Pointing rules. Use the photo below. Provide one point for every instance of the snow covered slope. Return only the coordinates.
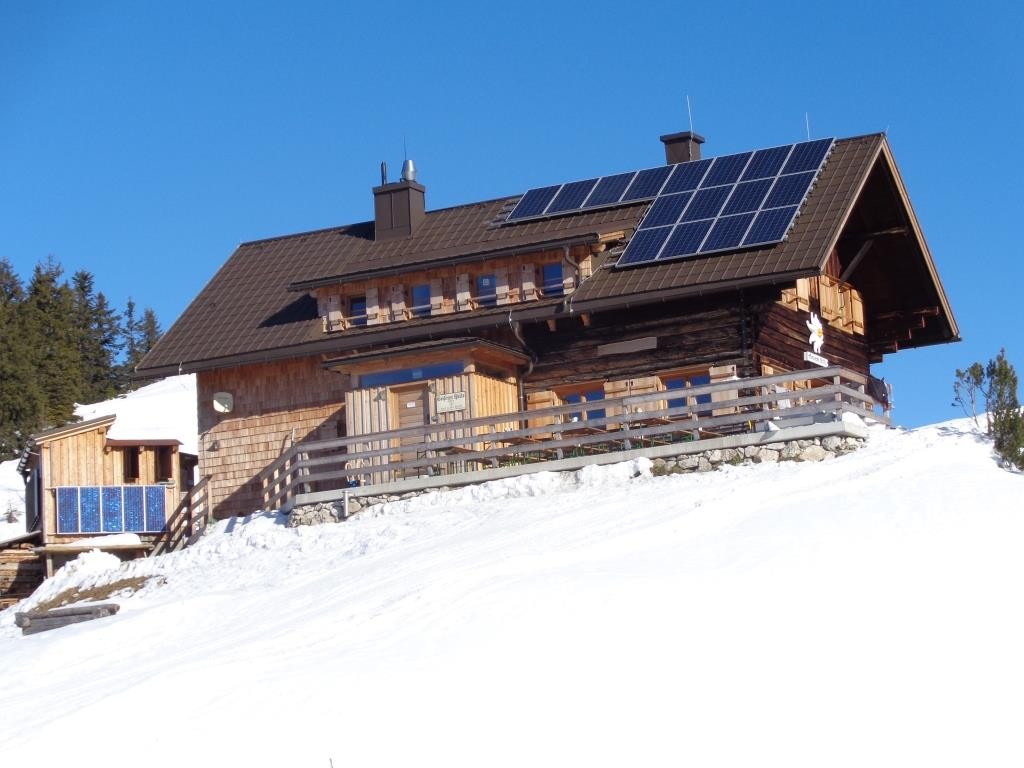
(12, 497)
(861, 611)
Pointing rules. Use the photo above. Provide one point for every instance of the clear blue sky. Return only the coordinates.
(144, 141)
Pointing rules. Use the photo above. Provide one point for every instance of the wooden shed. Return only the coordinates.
(81, 486)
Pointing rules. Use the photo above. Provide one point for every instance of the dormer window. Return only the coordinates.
(420, 300)
(357, 310)
(486, 291)
(552, 279)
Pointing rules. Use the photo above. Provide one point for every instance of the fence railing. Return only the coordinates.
(765, 403)
(188, 520)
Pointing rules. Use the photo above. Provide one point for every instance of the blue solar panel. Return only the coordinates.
(703, 206)
(789, 190)
(726, 170)
(741, 201)
(134, 517)
(728, 232)
(571, 196)
(67, 510)
(765, 163)
(685, 240)
(647, 183)
(747, 196)
(609, 190)
(110, 501)
(687, 176)
(533, 202)
(155, 496)
(666, 210)
(645, 244)
(770, 226)
(706, 203)
(807, 156)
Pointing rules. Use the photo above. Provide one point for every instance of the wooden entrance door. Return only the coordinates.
(412, 412)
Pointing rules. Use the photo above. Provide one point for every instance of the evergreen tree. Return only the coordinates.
(997, 384)
(149, 332)
(1006, 423)
(98, 339)
(49, 316)
(21, 400)
(138, 337)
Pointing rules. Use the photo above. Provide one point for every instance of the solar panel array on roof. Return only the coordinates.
(704, 206)
(727, 203)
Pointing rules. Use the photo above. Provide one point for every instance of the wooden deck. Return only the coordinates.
(750, 411)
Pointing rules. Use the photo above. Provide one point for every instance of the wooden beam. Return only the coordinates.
(861, 253)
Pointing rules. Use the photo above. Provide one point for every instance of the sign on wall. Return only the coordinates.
(816, 339)
(451, 402)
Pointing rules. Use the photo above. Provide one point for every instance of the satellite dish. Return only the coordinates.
(223, 402)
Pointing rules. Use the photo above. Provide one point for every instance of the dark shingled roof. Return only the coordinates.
(802, 253)
(254, 308)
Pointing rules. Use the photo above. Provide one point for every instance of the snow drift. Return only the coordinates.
(861, 611)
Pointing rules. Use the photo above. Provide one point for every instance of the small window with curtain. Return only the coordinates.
(420, 300)
(679, 383)
(551, 274)
(592, 394)
(486, 291)
(357, 310)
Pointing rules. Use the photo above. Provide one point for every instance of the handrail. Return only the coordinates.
(627, 419)
(189, 519)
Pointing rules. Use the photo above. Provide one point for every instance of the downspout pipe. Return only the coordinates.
(517, 331)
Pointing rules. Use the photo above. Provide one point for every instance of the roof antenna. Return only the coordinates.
(408, 167)
(807, 124)
(383, 173)
(689, 112)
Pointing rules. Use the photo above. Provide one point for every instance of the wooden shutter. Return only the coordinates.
(398, 302)
(527, 279)
(501, 285)
(436, 296)
(333, 312)
(719, 374)
(372, 307)
(462, 292)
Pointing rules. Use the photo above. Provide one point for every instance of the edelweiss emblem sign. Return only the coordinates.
(817, 337)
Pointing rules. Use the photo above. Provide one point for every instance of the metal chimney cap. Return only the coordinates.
(408, 171)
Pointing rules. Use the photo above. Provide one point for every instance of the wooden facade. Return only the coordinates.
(112, 486)
(460, 314)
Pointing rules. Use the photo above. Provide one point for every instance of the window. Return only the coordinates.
(584, 396)
(163, 463)
(405, 375)
(130, 459)
(682, 382)
(486, 291)
(552, 277)
(420, 300)
(357, 310)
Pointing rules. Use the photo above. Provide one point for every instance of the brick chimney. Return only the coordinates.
(682, 147)
(399, 207)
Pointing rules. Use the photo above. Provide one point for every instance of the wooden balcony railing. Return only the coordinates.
(635, 422)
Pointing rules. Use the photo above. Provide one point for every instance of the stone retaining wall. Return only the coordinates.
(818, 449)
